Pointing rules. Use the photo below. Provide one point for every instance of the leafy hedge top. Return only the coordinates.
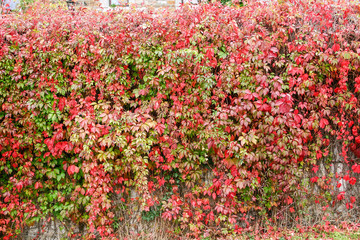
(95, 103)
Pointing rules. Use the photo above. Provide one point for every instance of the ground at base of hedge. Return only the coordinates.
(313, 233)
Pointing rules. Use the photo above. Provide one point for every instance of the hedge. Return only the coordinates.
(217, 117)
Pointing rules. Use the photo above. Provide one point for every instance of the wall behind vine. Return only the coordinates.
(222, 120)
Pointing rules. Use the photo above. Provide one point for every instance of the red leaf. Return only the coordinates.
(72, 169)
(340, 196)
(349, 205)
(352, 147)
(274, 49)
(38, 185)
(352, 181)
(284, 108)
(336, 47)
(289, 200)
(49, 143)
(227, 129)
(19, 186)
(315, 168)
(258, 179)
(62, 103)
(318, 154)
(161, 181)
(160, 128)
(356, 168)
(323, 122)
(314, 179)
(223, 116)
(265, 108)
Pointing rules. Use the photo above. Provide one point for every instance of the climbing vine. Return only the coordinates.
(217, 117)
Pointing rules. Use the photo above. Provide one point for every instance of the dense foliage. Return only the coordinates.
(212, 114)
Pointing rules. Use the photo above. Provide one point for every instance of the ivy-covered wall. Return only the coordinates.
(217, 120)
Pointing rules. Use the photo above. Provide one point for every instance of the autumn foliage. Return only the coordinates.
(217, 117)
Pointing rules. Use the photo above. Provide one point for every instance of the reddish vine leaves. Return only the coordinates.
(207, 113)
